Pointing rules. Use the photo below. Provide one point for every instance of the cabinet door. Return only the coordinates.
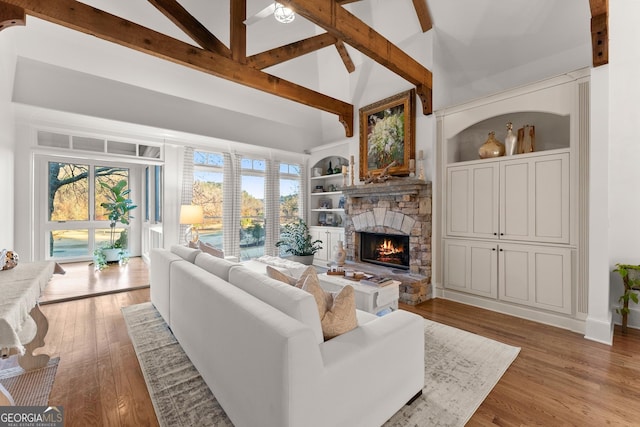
(471, 267)
(536, 276)
(320, 233)
(534, 194)
(333, 235)
(472, 201)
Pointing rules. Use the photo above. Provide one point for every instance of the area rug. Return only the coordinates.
(461, 368)
(30, 388)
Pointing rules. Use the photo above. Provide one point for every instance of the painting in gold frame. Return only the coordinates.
(387, 133)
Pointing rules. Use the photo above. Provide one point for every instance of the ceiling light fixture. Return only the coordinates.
(283, 14)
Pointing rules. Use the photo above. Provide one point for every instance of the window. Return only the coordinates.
(75, 219)
(289, 193)
(207, 192)
(252, 221)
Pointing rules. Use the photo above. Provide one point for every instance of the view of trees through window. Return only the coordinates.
(207, 191)
(71, 188)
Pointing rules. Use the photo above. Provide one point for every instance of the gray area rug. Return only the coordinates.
(461, 368)
(30, 388)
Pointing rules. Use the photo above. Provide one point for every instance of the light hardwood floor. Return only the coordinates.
(81, 280)
(558, 379)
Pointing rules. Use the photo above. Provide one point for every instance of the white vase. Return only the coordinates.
(340, 254)
(510, 141)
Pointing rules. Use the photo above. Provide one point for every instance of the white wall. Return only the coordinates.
(7, 136)
(624, 144)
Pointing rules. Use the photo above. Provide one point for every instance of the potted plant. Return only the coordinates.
(296, 240)
(630, 275)
(117, 209)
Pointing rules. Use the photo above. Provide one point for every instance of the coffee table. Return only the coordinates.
(369, 298)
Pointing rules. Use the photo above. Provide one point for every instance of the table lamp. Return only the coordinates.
(191, 215)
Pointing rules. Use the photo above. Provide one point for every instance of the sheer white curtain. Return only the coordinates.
(303, 196)
(272, 207)
(187, 185)
(232, 202)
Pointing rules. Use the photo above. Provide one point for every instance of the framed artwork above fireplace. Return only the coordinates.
(387, 134)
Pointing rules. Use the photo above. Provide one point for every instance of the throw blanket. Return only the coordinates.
(20, 289)
(292, 268)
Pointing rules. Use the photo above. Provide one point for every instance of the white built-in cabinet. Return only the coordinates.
(329, 237)
(510, 225)
(496, 205)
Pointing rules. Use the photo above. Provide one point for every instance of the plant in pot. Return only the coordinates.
(630, 275)
(117, 209)
(296, 240)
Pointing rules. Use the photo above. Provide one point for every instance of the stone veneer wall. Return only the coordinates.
(398, 206)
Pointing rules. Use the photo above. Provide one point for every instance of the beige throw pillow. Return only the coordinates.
(279, 275)
(208, 249)
(283, 277)
(337, 312)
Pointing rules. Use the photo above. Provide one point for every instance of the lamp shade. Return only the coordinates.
(191, 214)
(283, 14)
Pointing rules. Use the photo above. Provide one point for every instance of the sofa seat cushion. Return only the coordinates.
(185, 252)
(288, 299)
(214, 265)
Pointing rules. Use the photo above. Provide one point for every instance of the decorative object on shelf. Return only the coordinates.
(341, 202)
(330, 169)
(491, 148)
(317, 172)
(510, 141)
(420, 159)
(344, 175)
(322, 218)
(296, 240)
(352, 166)
(340, 254)
(191, 215)
(318, 189)
(329, 219)
(325, 204)
(526, 139)
(117, 209)
(337, 169)
(387, 134)
(630, 275)
(8, 259)
(382, 177)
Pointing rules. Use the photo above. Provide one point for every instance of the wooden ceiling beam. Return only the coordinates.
(293, 50)
(347, 27)
(238, 36)
(422, 10)
(191, 26)
(11, 15)
(599, 31)
(89, 20)
(344, 55)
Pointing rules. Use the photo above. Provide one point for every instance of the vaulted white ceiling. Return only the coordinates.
(476, 47)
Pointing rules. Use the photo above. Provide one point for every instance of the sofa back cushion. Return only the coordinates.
(185, 252)
(290, 300)
(214, 265)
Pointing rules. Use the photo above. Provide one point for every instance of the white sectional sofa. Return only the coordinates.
(258, 345)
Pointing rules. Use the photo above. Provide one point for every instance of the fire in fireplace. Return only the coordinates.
(385, 249)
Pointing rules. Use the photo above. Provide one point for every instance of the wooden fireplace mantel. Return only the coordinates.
(392, 187)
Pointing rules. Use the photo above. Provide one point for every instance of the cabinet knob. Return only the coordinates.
(502, 234)
(495, 234)
(501, 250)
(493, 249)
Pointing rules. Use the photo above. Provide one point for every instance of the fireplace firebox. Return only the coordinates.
(391, 250)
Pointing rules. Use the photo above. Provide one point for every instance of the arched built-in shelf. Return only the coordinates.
(552, 131)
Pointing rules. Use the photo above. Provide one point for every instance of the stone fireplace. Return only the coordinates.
(400, 207)
(391, 250)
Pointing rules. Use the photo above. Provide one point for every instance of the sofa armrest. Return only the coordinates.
(381, 362)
